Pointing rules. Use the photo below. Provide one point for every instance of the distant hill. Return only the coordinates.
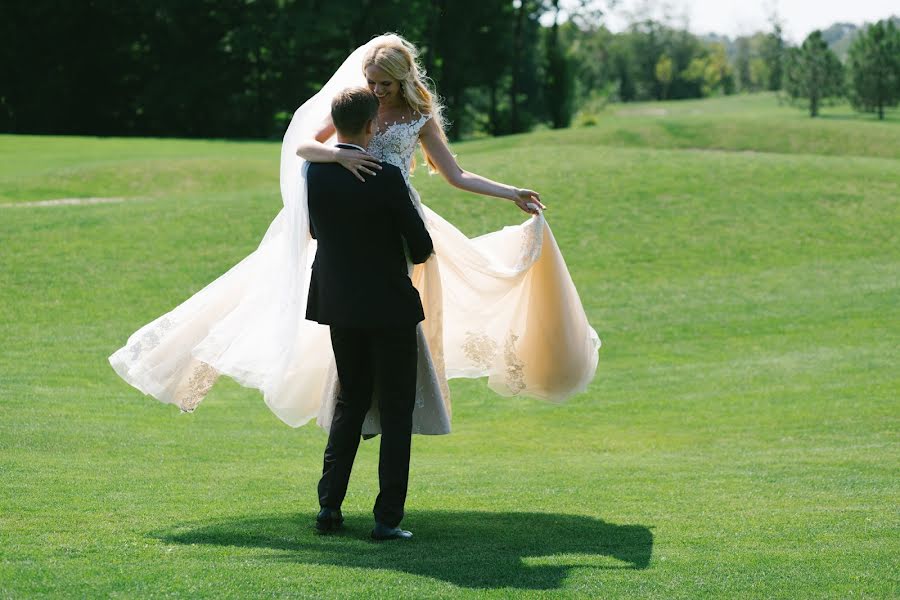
(839, 37)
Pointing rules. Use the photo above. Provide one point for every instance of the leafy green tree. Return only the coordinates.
(623, 68)
(711, 71)
(813, 72)
(874, 62)
(719, 77)
(648, 39)
(683, 47)
(664, 74)
(589, 47)
(759, 74)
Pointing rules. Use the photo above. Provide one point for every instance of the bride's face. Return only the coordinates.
(385, 87)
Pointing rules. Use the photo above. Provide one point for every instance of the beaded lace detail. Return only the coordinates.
(150, 338)
(515, 368)
(480, 349)
(396, 143)
(198, 383)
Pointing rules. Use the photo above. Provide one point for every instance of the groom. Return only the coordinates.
(361, 289)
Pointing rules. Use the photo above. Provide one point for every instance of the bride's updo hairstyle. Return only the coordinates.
(399, 59)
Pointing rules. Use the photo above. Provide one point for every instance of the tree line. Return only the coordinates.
(652, 60)
(238, 68)
(870, 79)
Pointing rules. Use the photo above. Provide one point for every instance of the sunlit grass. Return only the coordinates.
(739, 439)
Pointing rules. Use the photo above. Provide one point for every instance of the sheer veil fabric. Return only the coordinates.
(501, 306)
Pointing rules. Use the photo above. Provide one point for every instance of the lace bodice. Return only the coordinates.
(396, 143)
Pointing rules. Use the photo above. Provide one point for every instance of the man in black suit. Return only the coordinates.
(360, 288)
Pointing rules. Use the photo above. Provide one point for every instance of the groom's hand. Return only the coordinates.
(357, 162)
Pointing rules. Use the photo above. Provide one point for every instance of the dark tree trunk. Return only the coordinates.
(434, 20)
(557, 95)
(495, 127)
(518, 26)
(257, 84)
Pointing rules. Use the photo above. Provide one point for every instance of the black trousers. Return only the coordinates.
(379, 364)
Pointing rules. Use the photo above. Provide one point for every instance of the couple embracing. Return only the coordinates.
(501, 306)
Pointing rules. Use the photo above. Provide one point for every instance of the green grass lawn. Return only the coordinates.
(739, 260)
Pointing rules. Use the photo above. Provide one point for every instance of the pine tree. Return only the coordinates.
(772, 52)
(874, 61)
(813, 72)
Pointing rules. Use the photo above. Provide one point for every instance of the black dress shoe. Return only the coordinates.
(329, 519)
(383, 532)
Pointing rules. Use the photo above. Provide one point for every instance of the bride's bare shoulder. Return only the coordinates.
(430, 127)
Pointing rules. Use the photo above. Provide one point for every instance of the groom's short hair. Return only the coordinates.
(352, 108)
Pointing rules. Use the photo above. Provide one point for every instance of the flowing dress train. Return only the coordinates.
(501, 306)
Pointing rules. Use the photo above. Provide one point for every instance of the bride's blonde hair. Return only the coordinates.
(399, 59)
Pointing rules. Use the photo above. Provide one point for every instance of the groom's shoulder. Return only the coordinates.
(391, 168)
(391, 174)
(323, 176)
(330, 169)
(319, 169)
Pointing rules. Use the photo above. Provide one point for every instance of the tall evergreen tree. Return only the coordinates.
(813, 72)
(874, 62)
(773, 55)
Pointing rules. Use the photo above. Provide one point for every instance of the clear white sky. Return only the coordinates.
(737, 17)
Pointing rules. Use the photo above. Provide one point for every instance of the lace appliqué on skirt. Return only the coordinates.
(150, 339)
(200, 380)
(480, 349)
(515, 368)
(483, 350)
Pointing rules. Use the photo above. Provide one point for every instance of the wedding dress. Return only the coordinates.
(501, 306)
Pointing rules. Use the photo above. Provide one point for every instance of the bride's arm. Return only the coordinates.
(446, 164)
(356, 162)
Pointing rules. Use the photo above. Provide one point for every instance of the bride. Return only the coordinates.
(501, 305)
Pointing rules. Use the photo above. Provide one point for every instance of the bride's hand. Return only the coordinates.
(528, 200)
(358, 162)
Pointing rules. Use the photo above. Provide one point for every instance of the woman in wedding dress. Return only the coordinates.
(501, 306)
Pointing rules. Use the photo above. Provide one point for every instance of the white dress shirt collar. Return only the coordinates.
(351, 145)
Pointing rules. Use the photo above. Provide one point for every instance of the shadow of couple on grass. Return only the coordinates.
(468, 549)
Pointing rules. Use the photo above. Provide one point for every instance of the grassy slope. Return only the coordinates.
(740, 437)
(744, 123)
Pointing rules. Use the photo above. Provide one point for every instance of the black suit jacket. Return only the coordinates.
(359, 277)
